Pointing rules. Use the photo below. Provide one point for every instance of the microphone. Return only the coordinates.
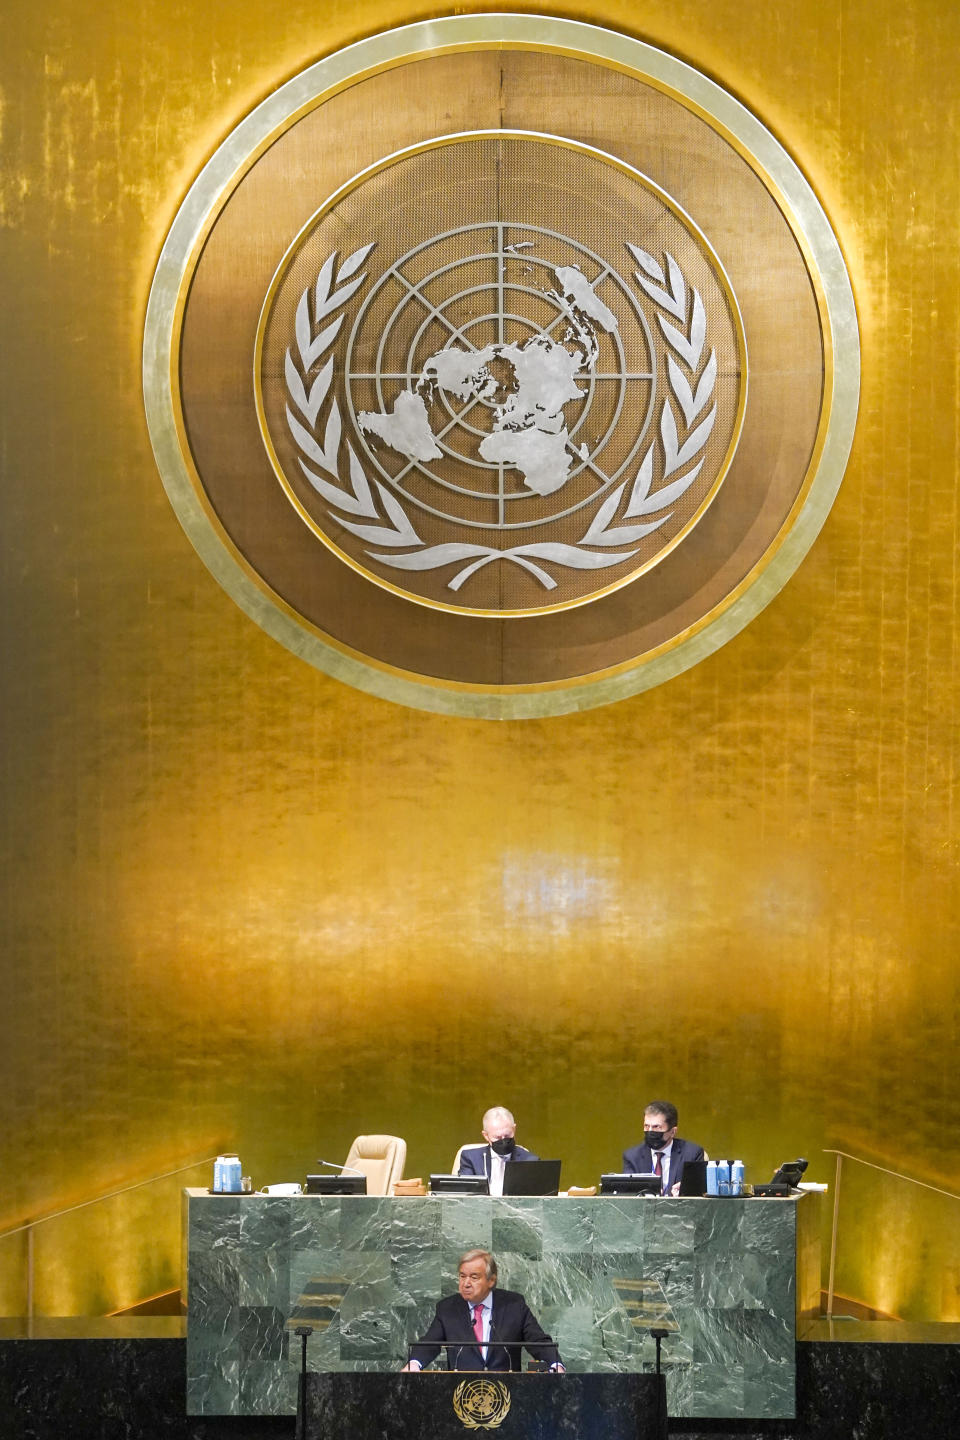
(454, 1349)
(512, 1348)
(344, 1169)
(445, 1345)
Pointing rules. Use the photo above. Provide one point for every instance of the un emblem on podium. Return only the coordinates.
(481, 1404)
(501, 365)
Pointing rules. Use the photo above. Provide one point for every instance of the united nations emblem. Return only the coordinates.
(501, 417)
(481, 1404)
(501, 365)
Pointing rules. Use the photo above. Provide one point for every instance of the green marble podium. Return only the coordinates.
(726, 1278)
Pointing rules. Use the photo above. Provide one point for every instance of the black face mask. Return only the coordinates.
(655, 1139)
(504, 1146)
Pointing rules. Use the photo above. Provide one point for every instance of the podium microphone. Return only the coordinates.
(344, 1169)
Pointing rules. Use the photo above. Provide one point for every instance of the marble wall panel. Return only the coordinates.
(365, 1273)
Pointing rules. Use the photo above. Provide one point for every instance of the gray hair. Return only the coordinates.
(496, 1112)
(483, 1255)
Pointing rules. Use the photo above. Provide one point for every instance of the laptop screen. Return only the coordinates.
(531, 1177)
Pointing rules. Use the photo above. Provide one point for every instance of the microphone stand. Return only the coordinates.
(659, 1336)
(300, 1433)
(344, 1169)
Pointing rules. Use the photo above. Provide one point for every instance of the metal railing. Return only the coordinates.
(29, 1228)
(883, 1170)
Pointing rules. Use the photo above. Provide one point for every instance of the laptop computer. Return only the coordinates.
(459, 1185)
(693, 1181)
(532, 1177)
(618, 1182)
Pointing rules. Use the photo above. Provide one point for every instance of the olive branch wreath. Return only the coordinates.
(476, 1408)
(387, 523)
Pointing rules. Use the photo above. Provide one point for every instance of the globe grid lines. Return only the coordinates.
(410, 376)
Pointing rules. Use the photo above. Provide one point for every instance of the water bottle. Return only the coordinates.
(736, 1178)
(227, 1175)
(711, 1177)
(723, 1177)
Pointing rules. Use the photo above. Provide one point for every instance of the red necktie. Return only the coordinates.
(657, 1167)
(478, 1323)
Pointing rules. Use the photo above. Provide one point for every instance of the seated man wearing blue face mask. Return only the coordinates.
(499, 1129)
(661, 1153)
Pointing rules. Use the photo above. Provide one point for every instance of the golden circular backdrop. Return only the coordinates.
(502, 366)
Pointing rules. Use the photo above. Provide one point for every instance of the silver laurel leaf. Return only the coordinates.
(668, 435)
(691, 404)
(436, 555)
(647, 262)
(568, 555)
(678, 287)
(696, 439)
(308, 405)
(698, 329)
(295, 387)
(670, 494)
(661, 297)
(641, 487)
(680, 386)
(630, 534)
(398, 515)
(303, 328)
(361, 486)
(707, 381)
(353, 262)
(320, 344)
(331, 438)
(376, 534)
(324, 281)
(690, 349)
(602, 518)
(338, 298)
(307, 443)
(679, 341)
(332, 494)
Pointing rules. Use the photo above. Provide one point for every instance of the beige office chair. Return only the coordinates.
(381, 1158)
(455, 1167)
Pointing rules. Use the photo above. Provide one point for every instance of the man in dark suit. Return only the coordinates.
(483, 1328)
(661, 1153)
(499, 1129)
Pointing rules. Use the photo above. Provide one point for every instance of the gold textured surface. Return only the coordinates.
(243, 905)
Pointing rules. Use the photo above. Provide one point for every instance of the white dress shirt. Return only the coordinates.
(498, 1163)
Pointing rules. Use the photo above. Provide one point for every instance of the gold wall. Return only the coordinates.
(243, 905)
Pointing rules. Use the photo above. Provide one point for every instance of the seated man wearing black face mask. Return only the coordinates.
(499, 1130)
(661, 1153)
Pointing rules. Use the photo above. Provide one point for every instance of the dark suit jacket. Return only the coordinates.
(476, 1159)
(639, 1160)
(511, 1321)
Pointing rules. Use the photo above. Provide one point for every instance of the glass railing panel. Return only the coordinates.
(14, 1273)
(895, 1244)
(100, 1256)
